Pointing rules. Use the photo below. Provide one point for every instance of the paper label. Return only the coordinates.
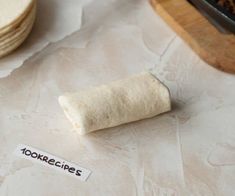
(52, 161)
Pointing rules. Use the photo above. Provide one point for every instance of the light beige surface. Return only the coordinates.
(131, 99)
(186, 152)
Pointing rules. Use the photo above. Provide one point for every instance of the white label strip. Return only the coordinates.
(52, 161)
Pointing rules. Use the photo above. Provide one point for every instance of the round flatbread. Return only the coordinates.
(14, 42)
(12, 45)
(19, 31)
(22, 25)
(15, 45)
(13, 12)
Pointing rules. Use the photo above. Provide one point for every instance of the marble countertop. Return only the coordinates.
(189, 151)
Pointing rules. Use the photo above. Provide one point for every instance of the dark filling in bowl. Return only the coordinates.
(229, 5)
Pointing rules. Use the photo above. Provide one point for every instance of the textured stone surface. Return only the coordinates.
(189, 151)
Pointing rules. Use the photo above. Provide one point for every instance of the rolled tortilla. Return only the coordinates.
(138, 97)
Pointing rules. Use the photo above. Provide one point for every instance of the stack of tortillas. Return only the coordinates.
(16, 21)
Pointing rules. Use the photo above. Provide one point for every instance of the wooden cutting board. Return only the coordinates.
(216, 48)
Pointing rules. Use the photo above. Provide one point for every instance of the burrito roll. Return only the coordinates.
(137, 97)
